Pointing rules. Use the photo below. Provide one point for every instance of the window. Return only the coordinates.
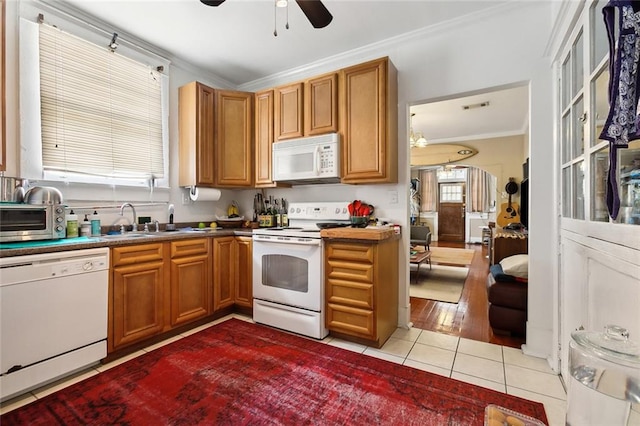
(451, 192)
(101, 115)
(584, 79)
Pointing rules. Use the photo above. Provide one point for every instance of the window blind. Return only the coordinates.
(101, 112)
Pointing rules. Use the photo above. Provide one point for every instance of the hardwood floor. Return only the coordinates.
(469, 317)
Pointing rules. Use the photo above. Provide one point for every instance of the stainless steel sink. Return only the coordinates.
(127, 235)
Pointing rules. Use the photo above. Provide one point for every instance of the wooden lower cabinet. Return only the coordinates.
(190, 280)
(232, 272)
(361, 289)
(137, 294)
(155, 288)
(244, 283)
(223, 272)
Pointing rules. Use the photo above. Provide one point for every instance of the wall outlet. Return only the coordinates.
(392, 196)
(185, 197)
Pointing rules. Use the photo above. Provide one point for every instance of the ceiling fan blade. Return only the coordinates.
(212, 2)
(316, 12)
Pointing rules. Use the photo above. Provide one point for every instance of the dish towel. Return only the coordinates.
(622, 123)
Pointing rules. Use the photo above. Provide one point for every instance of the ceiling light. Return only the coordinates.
(417, 139)
(281, 3)
(465, 152)
(473, 106)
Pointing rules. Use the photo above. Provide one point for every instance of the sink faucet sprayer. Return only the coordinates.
(134, 226)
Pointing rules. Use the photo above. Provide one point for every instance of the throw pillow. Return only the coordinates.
(517, 265)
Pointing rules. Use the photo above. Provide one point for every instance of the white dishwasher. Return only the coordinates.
(53, 316)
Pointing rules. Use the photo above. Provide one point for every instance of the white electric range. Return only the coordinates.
(288, 269)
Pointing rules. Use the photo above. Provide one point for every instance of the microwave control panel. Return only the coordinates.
(327, 159)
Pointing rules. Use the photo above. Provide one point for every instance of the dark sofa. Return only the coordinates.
(507, 303)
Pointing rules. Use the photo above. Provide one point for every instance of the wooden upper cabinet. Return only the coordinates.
(263, 138)
(369, 122)
(233, 139)
(288, 117)
(321, 105)
(196, 135)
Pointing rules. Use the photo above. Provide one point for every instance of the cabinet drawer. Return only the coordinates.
(349, 293)
(348, 320)
(353, 271)
(129, 255)
(350, 251)
(189, 247)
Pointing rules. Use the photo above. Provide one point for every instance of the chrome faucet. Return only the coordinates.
(134, 226)
(157, 224)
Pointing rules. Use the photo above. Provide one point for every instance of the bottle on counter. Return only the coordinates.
(85, 227)
(95, 224)
(72, 225)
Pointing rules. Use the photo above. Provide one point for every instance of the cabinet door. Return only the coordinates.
(138, 304)
(288, 111)
(368, 122)
(190, 282)
(264, 138)
(234, 139)
(196, 135)
(244, 283)
(321, 105)
(224, 270)
(189, 289)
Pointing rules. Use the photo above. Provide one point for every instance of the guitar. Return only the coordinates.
(509, 212)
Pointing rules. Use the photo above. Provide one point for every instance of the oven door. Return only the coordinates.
(288, 272)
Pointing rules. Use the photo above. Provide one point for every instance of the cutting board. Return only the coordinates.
(374, 233)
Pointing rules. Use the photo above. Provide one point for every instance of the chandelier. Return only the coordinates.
(417, 139)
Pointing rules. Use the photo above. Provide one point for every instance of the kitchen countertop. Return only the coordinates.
(49, 246)
(370, 234)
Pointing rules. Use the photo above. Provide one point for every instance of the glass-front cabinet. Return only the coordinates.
(584, 107)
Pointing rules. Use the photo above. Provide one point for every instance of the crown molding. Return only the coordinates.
(374, 50)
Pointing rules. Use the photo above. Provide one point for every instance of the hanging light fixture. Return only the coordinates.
(417, 139)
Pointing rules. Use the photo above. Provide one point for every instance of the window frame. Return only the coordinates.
(31, 164)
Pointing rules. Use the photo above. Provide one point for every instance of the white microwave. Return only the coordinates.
(314, 159)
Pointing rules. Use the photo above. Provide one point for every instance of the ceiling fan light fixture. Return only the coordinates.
(422, 141)
(417, 139)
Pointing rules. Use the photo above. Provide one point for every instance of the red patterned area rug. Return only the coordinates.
(242, 373)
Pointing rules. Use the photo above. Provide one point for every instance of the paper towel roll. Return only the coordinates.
(204, 194)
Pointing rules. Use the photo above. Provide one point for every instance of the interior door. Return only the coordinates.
(451, 212)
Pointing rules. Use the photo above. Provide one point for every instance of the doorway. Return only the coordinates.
(493, 123)
(451, 212)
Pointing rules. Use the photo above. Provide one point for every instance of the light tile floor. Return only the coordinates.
(492, 366)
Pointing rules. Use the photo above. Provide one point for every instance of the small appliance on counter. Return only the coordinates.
(39, 216)
(12, 189)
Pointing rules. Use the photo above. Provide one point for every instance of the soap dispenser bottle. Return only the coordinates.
(72, 225)
(95, 224)
(85, 228)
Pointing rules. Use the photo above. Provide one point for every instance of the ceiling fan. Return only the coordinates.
(315, 11)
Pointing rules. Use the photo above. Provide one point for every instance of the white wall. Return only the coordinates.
(490, 49)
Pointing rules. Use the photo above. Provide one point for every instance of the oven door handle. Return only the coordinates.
(301, 242)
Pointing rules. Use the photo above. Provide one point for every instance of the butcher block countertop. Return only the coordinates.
(373, 233)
